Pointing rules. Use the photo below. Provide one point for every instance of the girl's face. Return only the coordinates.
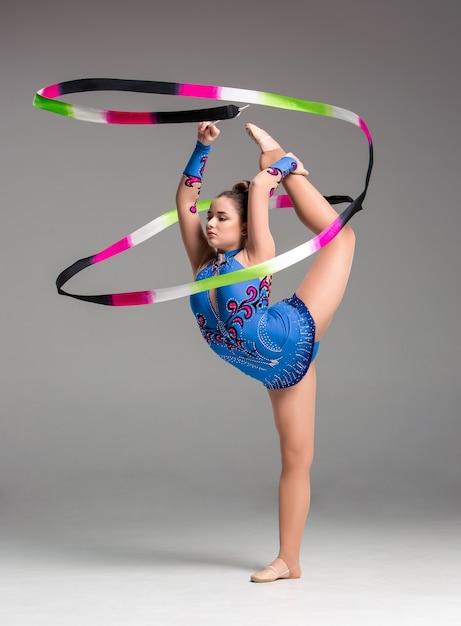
(224, 229)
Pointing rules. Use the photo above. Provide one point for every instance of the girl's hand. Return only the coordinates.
(301, 170)
(207, 133)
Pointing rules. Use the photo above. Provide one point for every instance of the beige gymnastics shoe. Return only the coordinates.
(265, 142)
(276, 570)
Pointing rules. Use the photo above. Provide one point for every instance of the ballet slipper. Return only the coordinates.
(276, 570)
(265, 142)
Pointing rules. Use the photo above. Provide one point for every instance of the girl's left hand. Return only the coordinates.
(301, 170)
(207, 133)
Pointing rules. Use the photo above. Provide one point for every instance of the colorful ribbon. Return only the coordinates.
(45, 99)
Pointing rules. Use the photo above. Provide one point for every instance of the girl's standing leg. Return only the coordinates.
(294, 413)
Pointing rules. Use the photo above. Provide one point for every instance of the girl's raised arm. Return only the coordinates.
(192, 234)
(260, 243)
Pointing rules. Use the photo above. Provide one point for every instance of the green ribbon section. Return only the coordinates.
(55, 106)
(295, 104)
(247, 273)
(171, 217)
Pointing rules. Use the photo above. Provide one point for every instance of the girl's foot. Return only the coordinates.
(262, 138)
(271, 150)
(276, 570)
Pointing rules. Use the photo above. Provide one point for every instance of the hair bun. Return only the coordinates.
(239, 195)
(242, 186)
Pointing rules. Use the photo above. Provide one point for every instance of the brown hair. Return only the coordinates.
(239, 194)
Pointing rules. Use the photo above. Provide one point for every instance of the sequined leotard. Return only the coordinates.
(274, 344)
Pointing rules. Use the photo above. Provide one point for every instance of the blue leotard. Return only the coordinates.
(274, 344)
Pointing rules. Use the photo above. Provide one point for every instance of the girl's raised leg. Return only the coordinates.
(323, 286)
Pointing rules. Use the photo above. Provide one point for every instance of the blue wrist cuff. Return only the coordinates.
(285, 165)
(197, 161)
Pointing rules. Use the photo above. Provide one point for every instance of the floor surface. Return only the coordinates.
(88, 563)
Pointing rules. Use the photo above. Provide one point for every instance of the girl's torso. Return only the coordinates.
(270, 343)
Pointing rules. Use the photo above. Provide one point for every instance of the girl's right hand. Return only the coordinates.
(207, 133)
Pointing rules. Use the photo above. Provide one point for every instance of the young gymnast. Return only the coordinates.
(274, 344)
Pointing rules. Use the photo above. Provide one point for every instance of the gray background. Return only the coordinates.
(119, 423)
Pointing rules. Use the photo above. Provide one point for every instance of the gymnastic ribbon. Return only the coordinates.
(45, 99)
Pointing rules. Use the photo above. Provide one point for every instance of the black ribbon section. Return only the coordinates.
(118, 84)
(338, 199)
(69, 272)
(226, 112)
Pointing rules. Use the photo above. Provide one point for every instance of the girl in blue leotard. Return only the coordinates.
(274, 344)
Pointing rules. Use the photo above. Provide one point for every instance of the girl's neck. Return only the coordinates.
(227, 253)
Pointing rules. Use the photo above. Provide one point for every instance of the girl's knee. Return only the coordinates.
(348, 236)
(297, 458)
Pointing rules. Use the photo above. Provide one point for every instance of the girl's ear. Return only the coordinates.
(244, 230)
